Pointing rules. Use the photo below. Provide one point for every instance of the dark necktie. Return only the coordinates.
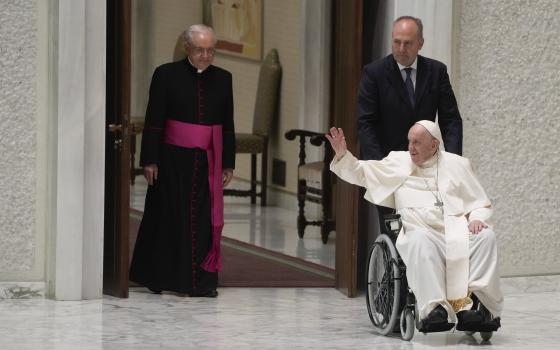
(409, 85)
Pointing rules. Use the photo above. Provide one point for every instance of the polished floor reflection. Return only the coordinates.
(260, 318)
(270, 227)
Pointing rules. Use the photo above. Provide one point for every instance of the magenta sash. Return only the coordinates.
(209, 138)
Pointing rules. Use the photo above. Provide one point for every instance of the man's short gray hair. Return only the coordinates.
(418, 22)
(197, 28)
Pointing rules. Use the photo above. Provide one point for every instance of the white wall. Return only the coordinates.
(22, 238)
(52, 110)
(507, 85)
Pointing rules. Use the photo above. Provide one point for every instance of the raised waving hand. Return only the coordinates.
(338, 142)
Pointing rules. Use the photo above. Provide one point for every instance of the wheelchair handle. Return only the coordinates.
(393, 223)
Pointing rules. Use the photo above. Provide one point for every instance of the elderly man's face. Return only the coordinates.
(421, 144)
(406, 42)
(201, 50)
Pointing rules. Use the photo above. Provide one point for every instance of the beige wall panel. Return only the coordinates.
(507, 83)
(22, 54)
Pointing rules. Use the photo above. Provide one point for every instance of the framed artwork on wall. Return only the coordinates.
(237, 24)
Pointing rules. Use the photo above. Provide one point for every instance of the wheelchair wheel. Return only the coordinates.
(407, 324)
(486, 335)
(383, 285)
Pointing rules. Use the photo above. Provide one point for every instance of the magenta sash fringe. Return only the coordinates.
(209, 138)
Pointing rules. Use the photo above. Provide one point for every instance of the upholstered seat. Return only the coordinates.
(254, 143)
(312, 173)
(315, 183)
(249, 143)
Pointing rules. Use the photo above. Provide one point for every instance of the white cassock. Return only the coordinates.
(444, 261)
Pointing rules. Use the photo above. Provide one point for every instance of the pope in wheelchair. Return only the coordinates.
(446, 244)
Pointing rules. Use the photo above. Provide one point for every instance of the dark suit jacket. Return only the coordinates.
(385, 113)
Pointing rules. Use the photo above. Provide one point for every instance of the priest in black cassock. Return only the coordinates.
(188, 156)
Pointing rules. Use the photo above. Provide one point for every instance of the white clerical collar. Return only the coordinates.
(413, 65)
(430, 162)
(197, 69)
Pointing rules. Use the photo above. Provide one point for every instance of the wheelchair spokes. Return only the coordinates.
(382, 281)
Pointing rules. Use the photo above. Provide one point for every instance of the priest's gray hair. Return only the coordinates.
(434, 130)
(197, 28)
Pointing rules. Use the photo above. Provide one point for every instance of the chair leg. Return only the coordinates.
(264, 173)
(253, 178)
(132, 158)
(325, 224)
(301, 221)
(325, 232)
(326, 207)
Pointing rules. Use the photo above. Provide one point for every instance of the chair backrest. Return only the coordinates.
(179, 50)
(268, 91)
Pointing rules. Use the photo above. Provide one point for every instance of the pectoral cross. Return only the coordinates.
(439, 204)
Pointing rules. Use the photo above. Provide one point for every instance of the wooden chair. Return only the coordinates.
(315, 183)
(256, 142)
(136, 127)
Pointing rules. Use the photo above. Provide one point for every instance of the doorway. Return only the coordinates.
(119, 77)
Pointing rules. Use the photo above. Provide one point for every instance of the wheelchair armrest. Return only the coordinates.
(391, 217)
(393, 223)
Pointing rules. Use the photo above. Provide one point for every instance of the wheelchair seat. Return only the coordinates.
(390, 302)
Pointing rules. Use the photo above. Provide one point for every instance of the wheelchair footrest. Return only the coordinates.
(486, 326)
(435, 327)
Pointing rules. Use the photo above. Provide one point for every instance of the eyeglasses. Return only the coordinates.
(199, 51)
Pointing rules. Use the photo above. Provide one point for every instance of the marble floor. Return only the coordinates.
(261, 318)
(270, 227)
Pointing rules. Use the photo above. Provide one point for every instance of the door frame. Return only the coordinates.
(117, 163)
(347, 67)
(345, 77)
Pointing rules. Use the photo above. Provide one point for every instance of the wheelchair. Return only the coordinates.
(390, 302)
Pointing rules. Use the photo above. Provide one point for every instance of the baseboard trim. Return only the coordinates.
(22, 290)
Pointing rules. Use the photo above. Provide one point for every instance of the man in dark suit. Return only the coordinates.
(395, 92)
(401, 89)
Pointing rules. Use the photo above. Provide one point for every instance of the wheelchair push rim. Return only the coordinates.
(383, 285)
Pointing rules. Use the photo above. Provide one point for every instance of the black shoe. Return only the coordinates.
(208, 294)
(490, 325)
(469, 320)
(436, 321)
(489, 322)
(155, 291)
(437, 315)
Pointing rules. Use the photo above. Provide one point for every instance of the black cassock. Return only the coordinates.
(176, 234)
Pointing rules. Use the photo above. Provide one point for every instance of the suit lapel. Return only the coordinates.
(423, 76)
(395, 79)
